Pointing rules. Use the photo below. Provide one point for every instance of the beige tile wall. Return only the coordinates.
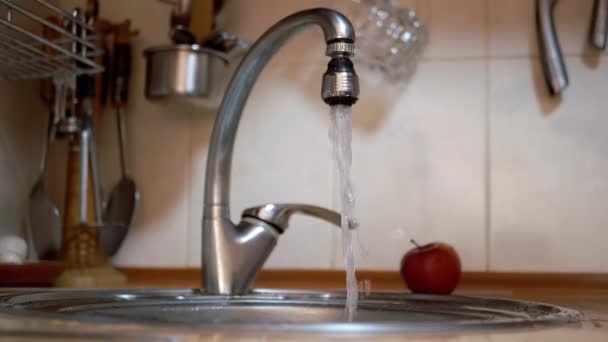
(471, 151)
(548, 156)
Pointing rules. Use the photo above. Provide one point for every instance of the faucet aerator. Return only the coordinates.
(340, 84)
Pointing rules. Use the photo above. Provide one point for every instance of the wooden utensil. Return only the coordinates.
(86, 264)
(201, 19)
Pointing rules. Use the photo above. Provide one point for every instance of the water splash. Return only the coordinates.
(340, 134)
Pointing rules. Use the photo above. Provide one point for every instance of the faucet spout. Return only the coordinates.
(222, 249)
(336, 29)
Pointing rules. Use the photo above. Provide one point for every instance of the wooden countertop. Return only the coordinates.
(381, 280)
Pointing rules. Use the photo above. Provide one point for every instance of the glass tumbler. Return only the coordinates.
(390, 38)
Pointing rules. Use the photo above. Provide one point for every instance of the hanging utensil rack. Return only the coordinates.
(25, 53)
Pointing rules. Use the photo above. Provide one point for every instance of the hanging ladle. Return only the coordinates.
(119, 211)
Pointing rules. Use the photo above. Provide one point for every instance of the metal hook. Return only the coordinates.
(552, 59)
(599, 25)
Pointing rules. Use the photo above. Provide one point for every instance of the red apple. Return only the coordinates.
(431, 269)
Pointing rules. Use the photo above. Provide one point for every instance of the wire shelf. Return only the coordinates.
(40, 40)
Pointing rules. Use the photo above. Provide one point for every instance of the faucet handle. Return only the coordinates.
(599, 24)
(278, 214)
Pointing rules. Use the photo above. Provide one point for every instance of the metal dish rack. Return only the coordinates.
(33, 45)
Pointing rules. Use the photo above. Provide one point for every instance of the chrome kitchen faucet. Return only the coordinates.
(233, 253)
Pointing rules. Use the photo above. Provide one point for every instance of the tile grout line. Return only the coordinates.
(487, 144)
(496, 58)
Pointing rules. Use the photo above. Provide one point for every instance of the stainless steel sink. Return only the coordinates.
(287, 311)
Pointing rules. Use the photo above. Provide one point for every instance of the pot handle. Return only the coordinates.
(227, 47)
(238, 50)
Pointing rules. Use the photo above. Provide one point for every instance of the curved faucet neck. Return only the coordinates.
(336, 28)
(233, 255)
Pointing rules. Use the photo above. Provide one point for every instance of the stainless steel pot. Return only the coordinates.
(187, 70)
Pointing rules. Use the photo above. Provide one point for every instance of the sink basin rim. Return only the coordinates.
(22, 302)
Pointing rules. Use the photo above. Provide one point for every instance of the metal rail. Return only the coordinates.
(27, 50)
